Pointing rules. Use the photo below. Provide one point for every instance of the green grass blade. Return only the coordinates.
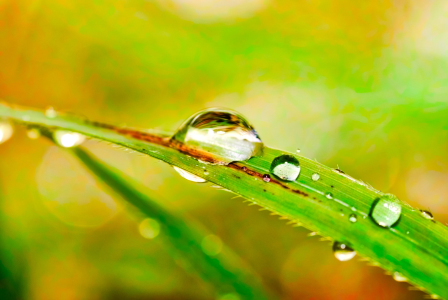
(416, 247)
(224, 271)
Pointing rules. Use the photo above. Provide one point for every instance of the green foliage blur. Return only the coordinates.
(359, 85)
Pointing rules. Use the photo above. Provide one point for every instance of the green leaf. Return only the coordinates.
(415, 247)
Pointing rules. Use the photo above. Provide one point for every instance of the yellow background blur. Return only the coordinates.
(362, 85)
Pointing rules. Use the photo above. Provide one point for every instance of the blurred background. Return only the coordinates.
(362, 85)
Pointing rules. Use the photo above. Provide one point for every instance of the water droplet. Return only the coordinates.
(188, 175)
(286, 167)
(68, 139)
(50, 112)
(298, 150)
(315, 177)
(427, 214)
(224, 133)
(211, 245)
(398, 277)
(353, 218)
(33, 133)
(149, 228)
(329, 195)
(244, 169)
(206, 172)
(6, 131)
(386, 210)
(266, 178)
(343, 252)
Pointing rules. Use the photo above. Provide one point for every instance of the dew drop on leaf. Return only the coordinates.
(50, 112)
(266, 178)
(315, 177)
(286, 167)
(223, 133)
(343, 252)
(68, 139)
(206, 172)
(329, 195)
(427, 214)
(386, 210)
(188, 175)
(6, 131)
(398, 277)
(353, 218)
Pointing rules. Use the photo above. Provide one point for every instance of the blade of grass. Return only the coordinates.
(416, 247)
(224, 271)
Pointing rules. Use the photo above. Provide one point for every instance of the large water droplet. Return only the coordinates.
(427, 214)
(68, 139)
(286, 167)
(224, 133)
(386, 210)
(188, 175)
(343, 252)
(6, 131)
(211, 245)
(149, 228)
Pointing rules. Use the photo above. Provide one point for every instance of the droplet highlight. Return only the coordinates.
(427, 214)
(149, 228)
(386, 210)
(315, 177)
(211, 245)
(225, 134)
(189, 176)
(6, 131)
(68, 139)
(286, 167)
(343, 252)
(398, 277)
(353, 218)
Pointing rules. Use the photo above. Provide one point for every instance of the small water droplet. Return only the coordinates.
(149, 228)
(353, 218)
(68, 139)
(224, 133)
(298, 150)
(266, 178)
(206, 172)
(211, 245)
(244, 169)
(315, 177)
(353, 208)
(286, 167)
(33, 133)
(188, 175)
(343, 252)
(386, 210)
(398, 277)
(6, 131)
(427, 214)
(407, 232)
(329, 195)
(50, 112)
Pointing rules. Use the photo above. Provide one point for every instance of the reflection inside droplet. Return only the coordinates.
(225, 134)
